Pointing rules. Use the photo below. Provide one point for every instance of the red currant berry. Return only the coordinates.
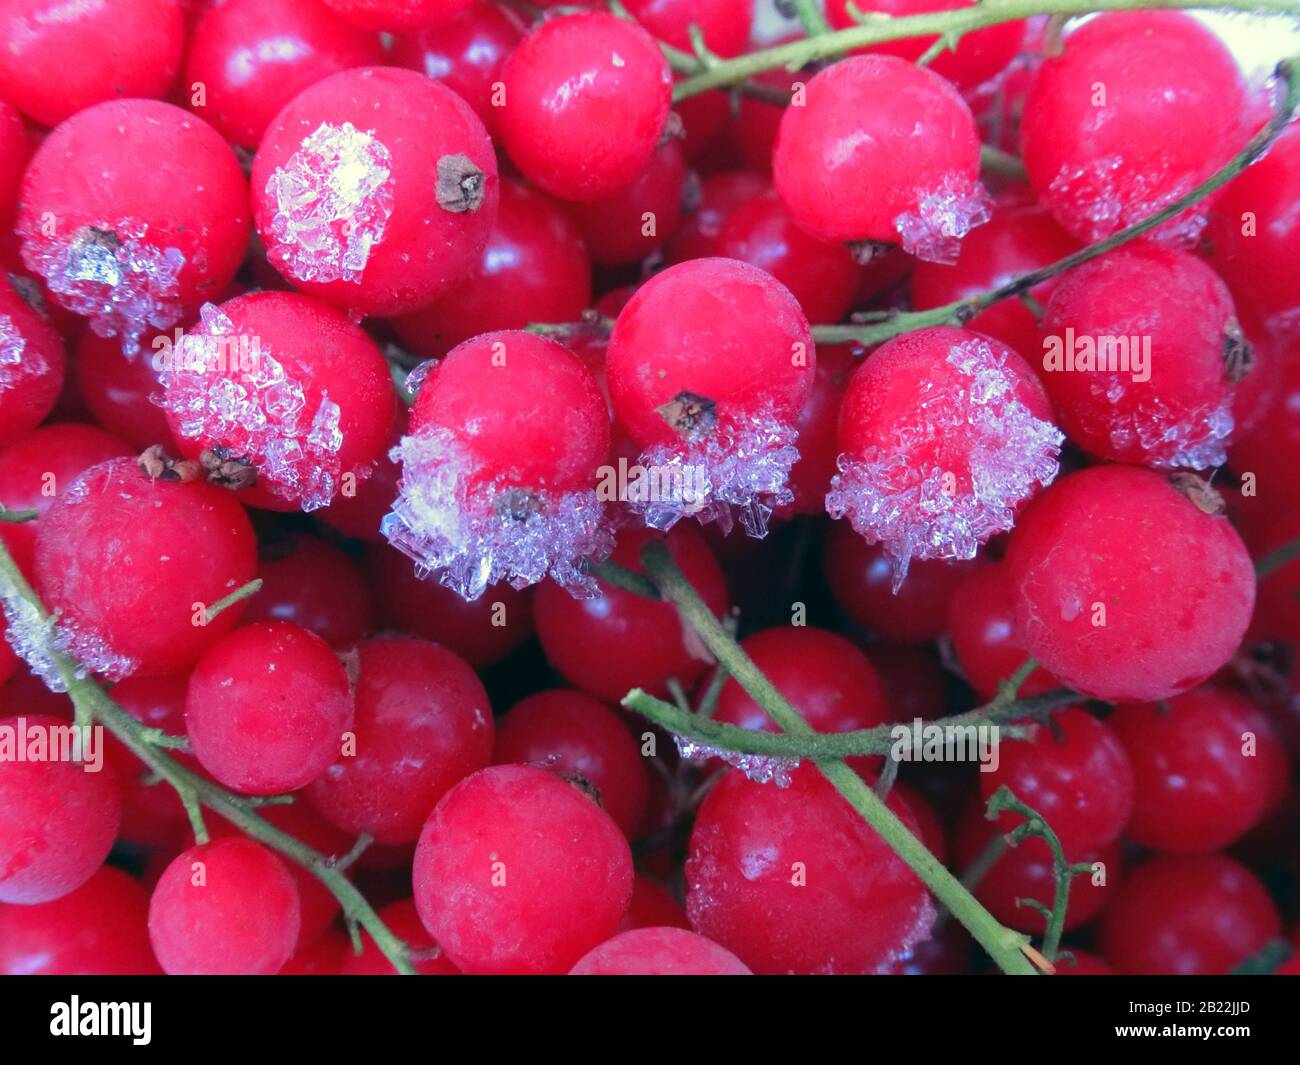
(724, 25)
(32, 365)
(911, 676)
(163, 227)
(101, 929)
(578, 736)
(423, 723)
(128, 562)
(534, 268)
(1276, 617)
(394, 15)
(659, 952)
(375, 189)
(1153, 598)
(756, 122)
(1139, 108)
(359, 508)
(618, 641)
(118, 388)
(638, 219)
(653, 906)
(518, 871)
(58, 817)
(792, 880)
(252, 57)
(16, 147)
(267, 707)
(1204, 765)
(587, 98)
(228, 907)
(810, 477)
(152, 813)
(287, 394)
(499, 469)
(1187, 915)
(882, 151)
(707, 209)
(1265, 452)
(314, 584)
(56, 61)
(323, 956)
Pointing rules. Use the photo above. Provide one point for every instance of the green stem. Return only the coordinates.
(18, 516)
(237, 596)
(1004, 946)
(629, 580)
(1277, 558)
(810, 16)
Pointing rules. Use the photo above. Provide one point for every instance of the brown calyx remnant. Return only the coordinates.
(690, 414)
(1238, 355)
(1203, 495)
(226, 470)
(461, 186)
(864, 251)
(674, 129)
(157, 465)
(583, 785)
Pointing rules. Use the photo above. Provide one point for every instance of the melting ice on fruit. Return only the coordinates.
(760, 768)
(13, 366)
(933, 231)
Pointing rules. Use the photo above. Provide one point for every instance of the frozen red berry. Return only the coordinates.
(119, 389)
(32, 366)
(635, 221)
(392, 15)
(310, 582)
(659, 952)
(724, 25)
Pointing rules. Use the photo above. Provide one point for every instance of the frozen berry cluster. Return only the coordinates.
(463, 440)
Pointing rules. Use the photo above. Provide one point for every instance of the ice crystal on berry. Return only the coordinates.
(760, 768)
(738, 462)
(224, 388)
(472, 534)
(13, 365)
(1105, 196)
(111, 274)
(914, 508)
(933, 230)
(333, 199)
(1193, 440)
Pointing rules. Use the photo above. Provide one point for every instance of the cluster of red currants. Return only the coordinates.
(432, 316)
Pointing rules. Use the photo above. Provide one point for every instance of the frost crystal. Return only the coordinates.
(13, 367)
(760, 768)
(476, 534)
(111, 274)
(743, 463)
(1194, 440)
(225, 388)
(933, 231)
(333, 199)
(908, 506)
(1109, 196)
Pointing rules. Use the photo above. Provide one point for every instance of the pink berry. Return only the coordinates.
(1139, 108)
(518, 871)
(375, 190)
(32, 366)
(128, 561)
(723, 24)
(943, 435)
(423, 723)
(586, 100)
(792, 880)
(267, 707)
(58, 817)
(253, 56)
(393, 15)
(162, 228)
(228, 907)
(659, 952)
(312, 583)
(634, 221)
(499, 468)
(885, 152)
(1124, 587)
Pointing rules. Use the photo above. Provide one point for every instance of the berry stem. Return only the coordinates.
(1277, 558)
(237, 596)
(810, 16)
(90, 700)
(16, 517)
(1004, 946)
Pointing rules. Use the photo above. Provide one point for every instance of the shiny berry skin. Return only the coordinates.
(1173, 585)
(58, 818)
(166, 216)
(822, 277)
(981, 626)
(587, 97)
(633, 221)
(1171, 408)
(394, 15)
(1187, 915)
(618, 641)
(124, 559)
(858, 909)
(724, 24)
(715, 198)
(401, 919)
(978, 57)
(1021, 236)
(241, 917)
(877, 147)
(659, 952)
(314, 584)
(32, 367)
(286, 386)
(1198, 786)
(573, 734)
(534, 268)
(465, 54)
(943, 435)
(101, 929)
(423, 723)
(254, 56)
(118, 388)
(518, 871)
(831, 682)
(1075, 773)
(415, 209)
(1138, 109)
(57, 60)
(267, 707)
